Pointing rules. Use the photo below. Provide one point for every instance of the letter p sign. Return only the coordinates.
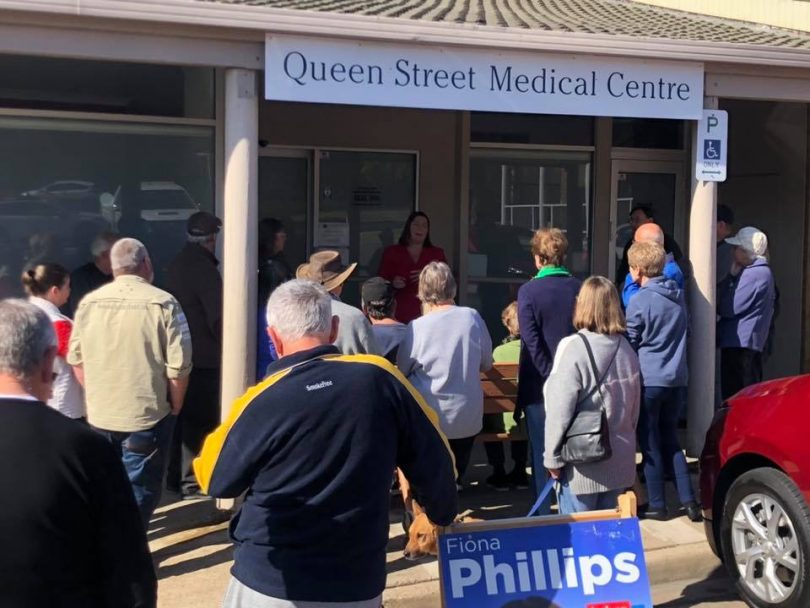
(711, 153)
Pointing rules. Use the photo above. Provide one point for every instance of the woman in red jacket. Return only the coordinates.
(402, 263)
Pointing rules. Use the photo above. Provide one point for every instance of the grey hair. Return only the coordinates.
(300, 308)
(127, 255)
(26, 335)
(436, 284)
(103, 243)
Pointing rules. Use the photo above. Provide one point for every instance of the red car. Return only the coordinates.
(755, 489)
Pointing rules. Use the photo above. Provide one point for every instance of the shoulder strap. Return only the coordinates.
(599, 379)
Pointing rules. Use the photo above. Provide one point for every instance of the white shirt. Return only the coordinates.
(68, 396)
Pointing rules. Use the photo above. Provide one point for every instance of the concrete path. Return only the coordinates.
(193, 556)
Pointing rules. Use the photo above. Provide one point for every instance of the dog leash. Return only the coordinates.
(546, 491)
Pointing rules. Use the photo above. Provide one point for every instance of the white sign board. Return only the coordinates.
(318, 70)
(712, 146)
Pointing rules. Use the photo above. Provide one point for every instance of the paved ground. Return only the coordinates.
(192, 553)
(713, 592)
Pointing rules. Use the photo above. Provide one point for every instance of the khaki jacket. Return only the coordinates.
(131, 338)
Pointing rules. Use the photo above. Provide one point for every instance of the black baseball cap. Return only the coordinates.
(203, 223)
(377, 292)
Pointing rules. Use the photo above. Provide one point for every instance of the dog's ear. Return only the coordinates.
(417, 508)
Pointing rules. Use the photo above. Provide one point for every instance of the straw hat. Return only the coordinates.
(324, 267)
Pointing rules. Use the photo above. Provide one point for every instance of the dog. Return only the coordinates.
(423, 534)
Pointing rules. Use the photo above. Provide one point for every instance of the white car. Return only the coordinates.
(164, 202)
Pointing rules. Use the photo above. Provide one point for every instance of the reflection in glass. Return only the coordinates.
(65, 181)
(653, 133)
(284, 195)
(109, 87)
(512, 194)
(364, 200)
(654, 190)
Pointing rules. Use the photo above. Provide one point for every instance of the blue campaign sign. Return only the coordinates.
(587, 564)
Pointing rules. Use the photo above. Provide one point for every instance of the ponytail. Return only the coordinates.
(37, 280)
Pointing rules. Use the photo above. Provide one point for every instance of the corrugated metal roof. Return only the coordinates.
(616, 17)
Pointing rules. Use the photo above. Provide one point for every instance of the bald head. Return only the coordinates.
(649, 233)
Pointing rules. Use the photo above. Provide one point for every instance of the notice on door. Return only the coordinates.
(712, 146)
(300, 68)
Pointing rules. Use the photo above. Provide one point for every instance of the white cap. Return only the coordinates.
(751, 239)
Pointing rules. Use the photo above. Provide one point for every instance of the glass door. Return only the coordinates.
(654, 185)
(284, 193)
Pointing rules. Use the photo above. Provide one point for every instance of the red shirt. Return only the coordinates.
(397, 262)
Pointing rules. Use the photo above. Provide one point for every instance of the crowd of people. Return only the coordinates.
(345, 396)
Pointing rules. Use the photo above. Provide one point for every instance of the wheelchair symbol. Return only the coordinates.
(711, 149)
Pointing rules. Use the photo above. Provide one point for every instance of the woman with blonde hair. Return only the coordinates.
(48, 288)
(442, 354)
(594, 369)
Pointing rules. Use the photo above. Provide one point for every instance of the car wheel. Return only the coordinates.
(765, 536)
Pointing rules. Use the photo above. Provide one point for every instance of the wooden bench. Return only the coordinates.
(500, 391)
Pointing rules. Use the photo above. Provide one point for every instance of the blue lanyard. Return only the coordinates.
(546, 491)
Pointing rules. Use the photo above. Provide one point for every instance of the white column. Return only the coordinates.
(702, 303)
(240, 219)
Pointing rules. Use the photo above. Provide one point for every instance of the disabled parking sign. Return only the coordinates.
(518, 564)
(712, 148)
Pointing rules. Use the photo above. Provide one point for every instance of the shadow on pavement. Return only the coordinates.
(219, 556)
(715, 588)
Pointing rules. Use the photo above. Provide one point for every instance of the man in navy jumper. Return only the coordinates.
(313, 446)
(70, 530)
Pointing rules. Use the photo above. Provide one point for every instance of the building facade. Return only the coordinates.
(132, 115)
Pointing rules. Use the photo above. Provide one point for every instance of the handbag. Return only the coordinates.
(587, 438)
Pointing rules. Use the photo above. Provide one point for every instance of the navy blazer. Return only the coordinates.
(545, 315)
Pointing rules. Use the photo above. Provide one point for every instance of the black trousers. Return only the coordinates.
(462, 450)
(199, 417)
(496, 453)
(739, 367)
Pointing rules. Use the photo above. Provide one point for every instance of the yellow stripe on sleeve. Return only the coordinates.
(206, 462)
(392, 369)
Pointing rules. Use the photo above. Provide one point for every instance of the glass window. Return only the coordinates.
(364, 200)
(512, 194)
(64, 181)
(538, 129)
(106, 87)
(648, 133)
(284, 185)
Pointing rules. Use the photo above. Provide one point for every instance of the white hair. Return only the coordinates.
(103, 243)
(127, 255)
(26, 335)
(436, 283)
(299, 308)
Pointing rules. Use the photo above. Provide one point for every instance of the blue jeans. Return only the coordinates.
(144, 454)
(536, 428)
(658, 436)
(572, 503)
